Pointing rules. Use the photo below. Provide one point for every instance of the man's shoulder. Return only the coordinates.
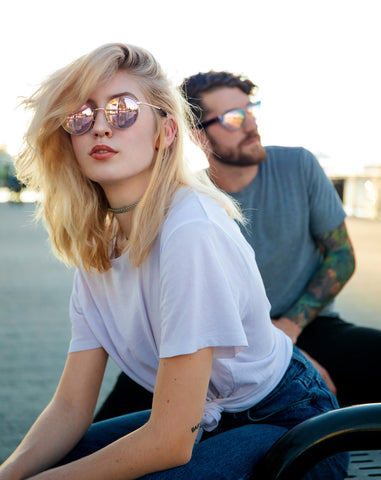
(278, 152)
(289, 158)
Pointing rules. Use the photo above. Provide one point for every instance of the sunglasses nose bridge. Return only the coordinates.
(95, 112)
(100, 122)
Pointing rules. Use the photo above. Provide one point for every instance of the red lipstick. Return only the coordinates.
(102, 152)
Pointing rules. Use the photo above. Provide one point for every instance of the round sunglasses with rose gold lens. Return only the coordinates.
(121, 112)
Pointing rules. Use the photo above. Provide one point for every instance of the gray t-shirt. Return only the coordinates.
(288, 203)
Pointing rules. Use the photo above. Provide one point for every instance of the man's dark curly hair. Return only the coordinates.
(193, 87)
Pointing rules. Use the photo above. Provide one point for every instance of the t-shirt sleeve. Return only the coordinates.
(199, 298)
(82, 337)
(326, 209)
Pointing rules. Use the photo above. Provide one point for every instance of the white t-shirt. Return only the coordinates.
(200, 287)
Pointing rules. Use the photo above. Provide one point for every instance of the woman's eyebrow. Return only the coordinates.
(115, 95)
(123, 94)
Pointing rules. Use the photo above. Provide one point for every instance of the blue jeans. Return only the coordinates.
(241, 439)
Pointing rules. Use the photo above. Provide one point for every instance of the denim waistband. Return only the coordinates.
(300, 385)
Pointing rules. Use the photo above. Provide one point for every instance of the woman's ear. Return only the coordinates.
(170, 131)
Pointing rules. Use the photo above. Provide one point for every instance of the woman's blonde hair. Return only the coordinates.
(75, 209)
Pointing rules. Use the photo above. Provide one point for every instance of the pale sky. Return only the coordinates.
(317, 63)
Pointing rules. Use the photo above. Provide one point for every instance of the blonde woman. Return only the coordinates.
(165, 285)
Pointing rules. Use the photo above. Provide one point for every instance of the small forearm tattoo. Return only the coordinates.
(196, 427)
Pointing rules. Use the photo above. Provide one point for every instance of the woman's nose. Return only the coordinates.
(101, 126)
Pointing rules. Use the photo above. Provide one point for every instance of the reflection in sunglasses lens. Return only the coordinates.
(233, 119)
(122, 112)
(79, 122)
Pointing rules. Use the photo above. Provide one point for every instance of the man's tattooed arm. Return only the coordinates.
(336, 269)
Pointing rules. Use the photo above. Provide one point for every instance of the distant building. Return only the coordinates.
(361, 193)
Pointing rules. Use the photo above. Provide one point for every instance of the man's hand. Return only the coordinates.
(323, 372)
(293, 330)
(290, 328)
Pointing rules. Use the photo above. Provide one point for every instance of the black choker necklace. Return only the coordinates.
(125, 209)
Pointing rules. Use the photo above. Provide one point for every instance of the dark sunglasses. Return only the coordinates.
(233, 119)
(121, 112)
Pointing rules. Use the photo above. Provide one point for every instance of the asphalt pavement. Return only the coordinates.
(35, 291)
(34, 318)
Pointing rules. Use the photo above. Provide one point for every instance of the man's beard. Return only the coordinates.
(243, 160)
(236, 157)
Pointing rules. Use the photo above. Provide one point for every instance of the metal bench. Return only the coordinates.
(355, 429)
(365, 465)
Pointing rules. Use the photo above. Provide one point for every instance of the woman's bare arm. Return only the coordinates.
(166, 440)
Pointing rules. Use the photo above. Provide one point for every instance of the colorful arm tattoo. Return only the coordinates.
(327, 281)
